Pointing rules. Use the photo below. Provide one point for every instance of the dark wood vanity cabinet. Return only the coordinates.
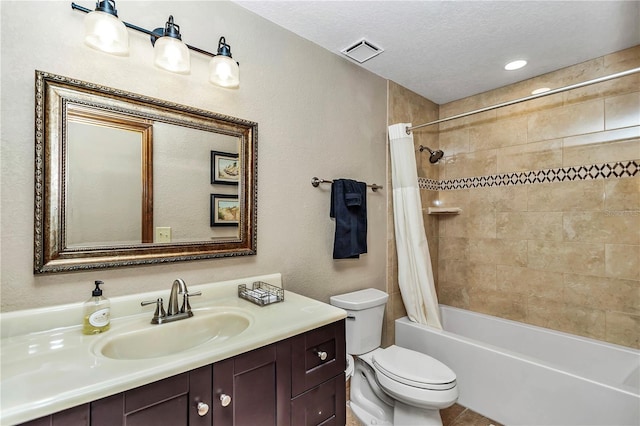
(317, 376)
(295, 382)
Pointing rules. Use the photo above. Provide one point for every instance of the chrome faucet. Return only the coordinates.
(178, 287)
(173, 313)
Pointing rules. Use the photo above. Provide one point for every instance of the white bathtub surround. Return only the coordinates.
(49, 365)
(519, 374)
(415, 276)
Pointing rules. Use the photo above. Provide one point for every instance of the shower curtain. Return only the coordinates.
(415, 275)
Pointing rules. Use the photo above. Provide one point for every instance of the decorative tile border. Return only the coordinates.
(430, 184)
(595, 171)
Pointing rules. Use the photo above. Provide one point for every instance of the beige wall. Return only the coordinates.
(563, 255)
(318, 114)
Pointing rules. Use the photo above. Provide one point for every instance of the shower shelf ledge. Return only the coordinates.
(444, 210)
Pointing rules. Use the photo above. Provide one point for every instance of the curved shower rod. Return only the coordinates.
(528, 98)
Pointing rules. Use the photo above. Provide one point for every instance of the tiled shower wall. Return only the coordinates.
(562, 254)
(559, 249)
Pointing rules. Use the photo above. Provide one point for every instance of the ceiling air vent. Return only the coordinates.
(362, 51)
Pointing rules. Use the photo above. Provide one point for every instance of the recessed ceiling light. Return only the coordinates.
(515, 65)
(540, 90)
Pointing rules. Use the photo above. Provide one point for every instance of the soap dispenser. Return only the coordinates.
(97, 312)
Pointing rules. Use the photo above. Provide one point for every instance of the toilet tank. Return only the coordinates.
(365, 312)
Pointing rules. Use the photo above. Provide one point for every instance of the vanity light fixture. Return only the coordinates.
(106, 32)
(170, 52)
(515, 65)
(223, 70)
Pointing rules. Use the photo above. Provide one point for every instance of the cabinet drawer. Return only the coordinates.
(323, 405)
(308, 368)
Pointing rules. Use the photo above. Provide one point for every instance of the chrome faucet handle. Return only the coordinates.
(186, 307)
(159, 314)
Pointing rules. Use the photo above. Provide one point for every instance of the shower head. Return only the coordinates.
(434, 156)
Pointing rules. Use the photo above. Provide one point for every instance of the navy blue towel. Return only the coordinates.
(349, 208)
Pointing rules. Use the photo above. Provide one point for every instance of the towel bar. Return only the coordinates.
(315, 181)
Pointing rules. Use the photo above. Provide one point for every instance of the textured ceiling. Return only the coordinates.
(448, 50)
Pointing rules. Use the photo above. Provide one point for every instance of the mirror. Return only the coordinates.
(122, 179)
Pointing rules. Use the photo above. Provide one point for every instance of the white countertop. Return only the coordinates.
(48, 365)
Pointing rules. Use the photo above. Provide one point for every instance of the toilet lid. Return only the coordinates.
(413, 368)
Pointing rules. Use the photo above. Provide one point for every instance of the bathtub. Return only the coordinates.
(518, 374)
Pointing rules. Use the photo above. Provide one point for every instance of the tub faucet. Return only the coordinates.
(173, 313)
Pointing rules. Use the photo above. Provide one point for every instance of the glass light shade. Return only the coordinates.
(172, 55)
(106, 32)
(224, 72)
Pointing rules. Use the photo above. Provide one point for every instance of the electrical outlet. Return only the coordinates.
(163, 234)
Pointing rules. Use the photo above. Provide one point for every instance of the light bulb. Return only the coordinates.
(172, 55)
(106, 32)
(224, 72)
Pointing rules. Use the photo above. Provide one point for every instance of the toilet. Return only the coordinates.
(394, 385)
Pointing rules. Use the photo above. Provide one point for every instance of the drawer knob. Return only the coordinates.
(203, 409)
(322, 355)
(225, 400)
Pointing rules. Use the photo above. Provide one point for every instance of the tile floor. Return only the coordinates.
(456, 415)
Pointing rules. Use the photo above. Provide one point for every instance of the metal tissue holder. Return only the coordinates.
(261, 293)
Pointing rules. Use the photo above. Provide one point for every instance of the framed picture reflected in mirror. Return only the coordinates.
(225, 210)
(225, 168)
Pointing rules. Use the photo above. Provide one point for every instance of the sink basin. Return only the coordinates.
(142, 340)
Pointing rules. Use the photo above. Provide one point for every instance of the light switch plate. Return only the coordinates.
(163, 234)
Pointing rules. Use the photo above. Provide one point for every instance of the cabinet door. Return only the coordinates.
(76, 416)
(172, 401)
(323, 405)
(245, 391)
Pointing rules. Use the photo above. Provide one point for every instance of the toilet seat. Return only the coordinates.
(418, 397)
(413, 368)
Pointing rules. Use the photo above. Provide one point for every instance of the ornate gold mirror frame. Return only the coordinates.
(61, 101)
